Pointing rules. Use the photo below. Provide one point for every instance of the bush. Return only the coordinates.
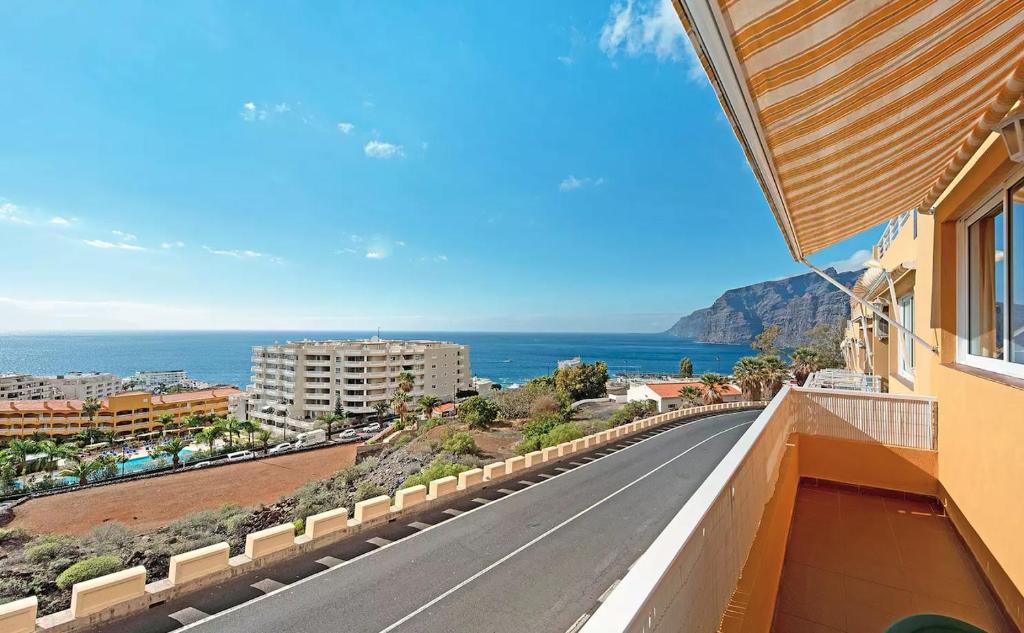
(300, 525)
(368, 490)
(540, 425)
(320, 496)
(515, 404)
(478, 413)
(545, 403)
(50, 547)
(633, 411)
(438, 468)
(403, 440)
(88, 569)
(461, 444)
(528, 445)
(562, 433)
(581, 382)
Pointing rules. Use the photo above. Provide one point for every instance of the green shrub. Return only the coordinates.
(561, 433)
(368, 490)
(540, 425)
(438, 468)
(320, 496)
(528, 445)
(632, 411)
(300, 525)
(477, 412)
(461, 444)
(50, 547)
(403, 440)
(88, 569)
(7, 534)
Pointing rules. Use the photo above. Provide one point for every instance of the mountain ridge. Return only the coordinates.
(796, 304)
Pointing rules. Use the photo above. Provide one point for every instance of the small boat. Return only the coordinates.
(507, 360)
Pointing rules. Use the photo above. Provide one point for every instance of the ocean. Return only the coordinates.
(224, 357)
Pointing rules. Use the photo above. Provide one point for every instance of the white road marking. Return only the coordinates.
(564, 470)
(481, 500)
(575, 463)
(267, 585)
(527, 483)
(378, 541)
(608, 591)
(578, 624)
(545, 475)
(188, 615)
(551, 531)
(453, 512)
(419, 525)
(330, 561)
(506, 491)
(312, 577)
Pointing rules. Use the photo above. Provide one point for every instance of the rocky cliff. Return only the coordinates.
(796, 304)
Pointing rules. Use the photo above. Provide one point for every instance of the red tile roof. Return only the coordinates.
(671, 389)
(75, 406)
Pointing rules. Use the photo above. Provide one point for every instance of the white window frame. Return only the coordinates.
(906, 343)
(963, 356)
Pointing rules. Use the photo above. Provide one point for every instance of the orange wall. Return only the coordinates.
(752, 607)
(868, 464)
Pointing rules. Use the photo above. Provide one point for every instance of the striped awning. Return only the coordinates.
(854, 111)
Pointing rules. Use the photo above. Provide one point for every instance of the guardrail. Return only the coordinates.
(121, 593)
(686, 578)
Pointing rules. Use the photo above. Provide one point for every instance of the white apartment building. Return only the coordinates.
(294, 383)
(84, 385)
(26, 387)
(155, 380)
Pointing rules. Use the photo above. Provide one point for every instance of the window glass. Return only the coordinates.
(906, 349)
(987, 283)
(1017, 273)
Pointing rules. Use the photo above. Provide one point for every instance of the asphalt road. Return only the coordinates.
(534, 555)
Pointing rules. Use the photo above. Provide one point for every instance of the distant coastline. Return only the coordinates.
(223, 356)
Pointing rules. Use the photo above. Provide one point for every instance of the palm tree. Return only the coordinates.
(55, 452)
(263, 436)
(166, 421)
(210, 435)
(381, 408)
(406, 381)
(110, 437)
(327, 421)
(232, 428)
(399, 402)
(774, 372)
(426, 404)
(194, 421)
(747, 373)
(87, 436)
(712, 384)
(82, 469)
(19, 450)
(249, 427)
(172, 448)
(805, 362)
(691, 396)
(90, 408)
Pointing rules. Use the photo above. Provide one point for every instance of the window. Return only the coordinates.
(992, 285)
(906, 347)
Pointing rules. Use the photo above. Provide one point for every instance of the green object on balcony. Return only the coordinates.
(931, 623)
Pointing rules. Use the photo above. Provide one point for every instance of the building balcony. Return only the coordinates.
(826, 516)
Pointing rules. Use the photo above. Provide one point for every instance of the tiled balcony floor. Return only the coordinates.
(858, 561)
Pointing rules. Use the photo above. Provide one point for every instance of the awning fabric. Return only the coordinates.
(854, 111)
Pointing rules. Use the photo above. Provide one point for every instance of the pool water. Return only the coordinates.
(139, 464)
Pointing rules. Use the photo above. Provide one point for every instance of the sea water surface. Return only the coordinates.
(225, 357)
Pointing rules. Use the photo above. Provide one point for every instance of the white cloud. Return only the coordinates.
(177, 244)
(350, 251)
(11, 213)
(567, 60)
(571, 183)
(113, 245)
(855, 261)
(59, 221)
(648, 27)
(424, 145)
(374, 254)
(237, 254)
(346, 128)
(399, 243)
(125, 237)
(434, 258)
(379, 149)
(282, 108)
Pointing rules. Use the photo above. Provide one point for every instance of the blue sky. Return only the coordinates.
(558, 166)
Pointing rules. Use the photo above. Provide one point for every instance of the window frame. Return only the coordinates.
(1000, 197)
(906, 343)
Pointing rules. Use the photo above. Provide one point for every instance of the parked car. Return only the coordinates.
(348, 435)
(371, 428)
(311, 438)
(240, 455)
(280, 448)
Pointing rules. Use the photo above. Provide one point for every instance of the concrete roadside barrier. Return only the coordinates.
(493, 471)
(92, 596)
(19, 616)
(443, 486)
(324, 523)
(551, 453)
(533, 458)
(471, 478)
(371, 509)
(512, 464)
(408, 497)
(269, 541)
(189, 566)
(579, 445)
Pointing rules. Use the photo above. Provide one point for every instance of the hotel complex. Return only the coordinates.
(294, 383)
(72, 386)
(125, 413)
(849, 511)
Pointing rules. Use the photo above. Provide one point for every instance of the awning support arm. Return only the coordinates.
(870, 306)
